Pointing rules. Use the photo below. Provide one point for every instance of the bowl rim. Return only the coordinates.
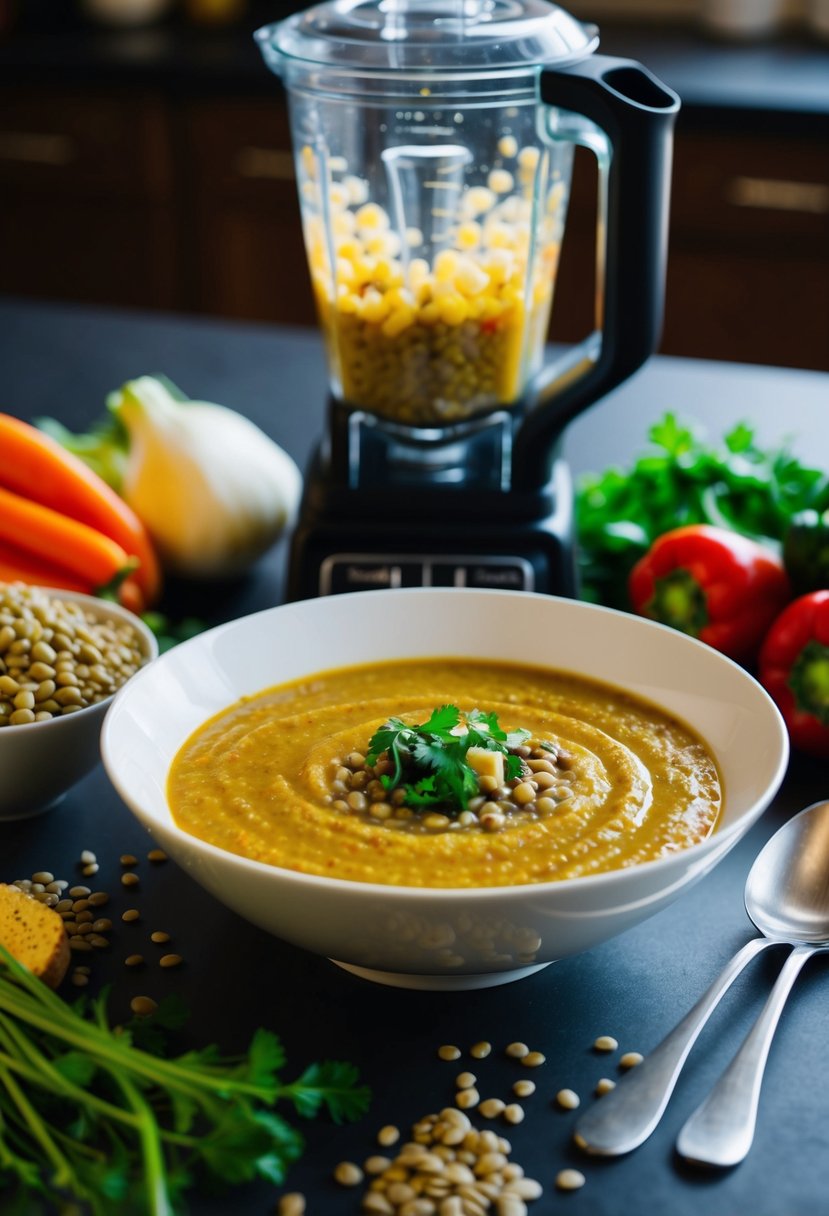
(102, 608)
(719, 841)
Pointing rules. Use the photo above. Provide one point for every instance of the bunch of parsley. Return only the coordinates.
(684, 480)
(429, 759)
(99, 1119)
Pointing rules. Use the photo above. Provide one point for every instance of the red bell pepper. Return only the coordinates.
(794, 669)
(714, 584)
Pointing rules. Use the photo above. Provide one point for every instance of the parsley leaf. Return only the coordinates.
(430, 759)
(684, 479)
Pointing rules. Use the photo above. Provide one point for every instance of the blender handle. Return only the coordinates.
(636, 112)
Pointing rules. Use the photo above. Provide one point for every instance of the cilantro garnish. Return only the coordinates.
(430, 759)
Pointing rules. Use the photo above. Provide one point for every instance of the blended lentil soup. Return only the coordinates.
(338, 774)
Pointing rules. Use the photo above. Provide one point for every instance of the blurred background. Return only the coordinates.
(145, 162)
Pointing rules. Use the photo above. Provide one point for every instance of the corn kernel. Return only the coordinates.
(371, 216)
(399, 319)
(453, 310)
(470, 279)
(357, 190)
(446, 264)
(477, 200)
(468, 235)
(508, 146)
(500, 181)
(528, 157)
(499, 236)
(375, 306)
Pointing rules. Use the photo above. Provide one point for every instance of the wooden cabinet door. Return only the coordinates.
(86, 198)
(246, 253)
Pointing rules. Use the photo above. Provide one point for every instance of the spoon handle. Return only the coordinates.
(721, 1130)
(628, 1114)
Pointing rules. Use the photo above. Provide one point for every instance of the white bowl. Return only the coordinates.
(41, 761)
(399, 935)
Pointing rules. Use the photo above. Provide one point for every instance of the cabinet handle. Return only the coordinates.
(34, 148)
(773, 194)
(271, 163)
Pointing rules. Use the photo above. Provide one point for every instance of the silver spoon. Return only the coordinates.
(787, 898)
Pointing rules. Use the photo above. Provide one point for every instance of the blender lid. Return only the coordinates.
(446, 36)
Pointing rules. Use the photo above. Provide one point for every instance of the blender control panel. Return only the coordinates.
(365, 571)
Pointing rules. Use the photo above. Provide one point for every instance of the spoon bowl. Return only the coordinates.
(787, 890)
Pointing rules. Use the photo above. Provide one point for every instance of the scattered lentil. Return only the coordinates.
(348, 1174)
(480, 1051)
(630, 1059)
(465, 1080)
(130, 879)
(518, 1051)
(156, 856)
(605, 1042)
(90, 869)
(134, 960)
(568, 1099)
(130, 915)
(449, 1052)
(569, 1180)
(98, 899)
(170, 960)
(388, 1135)
(604, 1086)
(376, 1164)
(142, 1006)
(513, 1113)
(127, 859)
(291, 1204)
(466, 1098)
(490, 1108)
(523, 1089)
(87, 857)
(534, 1059)
(159, 937)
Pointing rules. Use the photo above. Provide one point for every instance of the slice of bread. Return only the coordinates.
(34, 934)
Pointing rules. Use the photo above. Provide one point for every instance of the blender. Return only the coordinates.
(434, 144)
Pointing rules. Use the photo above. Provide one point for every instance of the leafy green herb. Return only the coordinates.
(683, 479)
(169, 633)
(430, 759)
(98, 1117)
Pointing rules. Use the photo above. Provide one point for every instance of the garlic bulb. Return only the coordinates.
(212, 489)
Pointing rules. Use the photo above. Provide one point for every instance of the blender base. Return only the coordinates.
(440, 983)
(390, 537)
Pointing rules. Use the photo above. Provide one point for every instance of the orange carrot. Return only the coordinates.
(58, 540)
(35, 466)
(19, 567)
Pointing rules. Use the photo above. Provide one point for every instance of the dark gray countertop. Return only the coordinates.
(62, 361)
(785, 77)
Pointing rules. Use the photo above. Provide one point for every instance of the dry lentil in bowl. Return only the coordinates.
(57, 657)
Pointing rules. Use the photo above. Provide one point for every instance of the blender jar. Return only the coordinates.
(433, 189)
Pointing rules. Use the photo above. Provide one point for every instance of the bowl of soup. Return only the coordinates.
(445, 788)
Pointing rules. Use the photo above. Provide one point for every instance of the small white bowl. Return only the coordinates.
(398, 935)
(41, 761)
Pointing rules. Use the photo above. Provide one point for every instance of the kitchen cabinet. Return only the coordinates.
(88, 198)
(185, 199)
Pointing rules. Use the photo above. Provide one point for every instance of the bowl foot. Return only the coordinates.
(440, 983)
